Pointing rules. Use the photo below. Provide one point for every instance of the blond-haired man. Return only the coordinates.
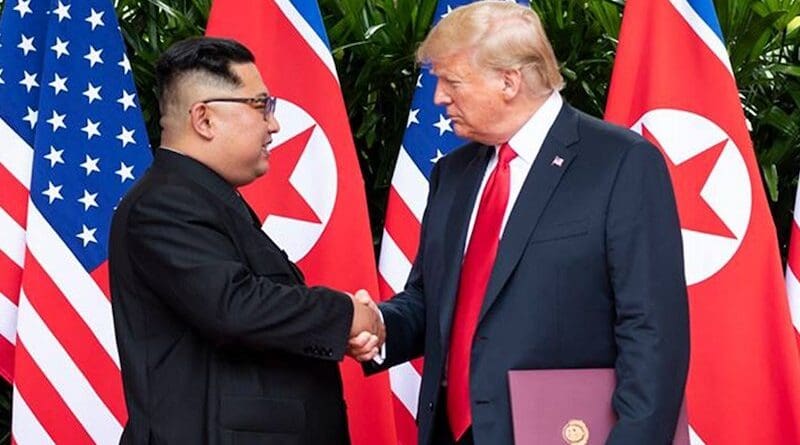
(550, 241)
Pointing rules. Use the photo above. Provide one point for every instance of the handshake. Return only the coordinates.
(367, 332)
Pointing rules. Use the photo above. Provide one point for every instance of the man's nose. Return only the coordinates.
(440, 96)
(273, 126)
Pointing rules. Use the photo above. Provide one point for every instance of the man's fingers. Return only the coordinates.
(363, 345)
(360, 341)
(371, 343)
(362, 296)
(368, 356)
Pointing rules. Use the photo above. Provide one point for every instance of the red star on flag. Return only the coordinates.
(688, 180)
(283, 198)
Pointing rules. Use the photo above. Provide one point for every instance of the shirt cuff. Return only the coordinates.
(381, 357)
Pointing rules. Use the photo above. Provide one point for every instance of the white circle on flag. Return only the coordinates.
(727, 190)
(314, 178)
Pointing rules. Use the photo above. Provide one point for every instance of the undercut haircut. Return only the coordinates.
(208, 59)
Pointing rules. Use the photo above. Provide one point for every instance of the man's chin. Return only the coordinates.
(460, 131)
(261, 170)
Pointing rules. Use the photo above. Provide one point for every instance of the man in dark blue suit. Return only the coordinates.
(551, 241)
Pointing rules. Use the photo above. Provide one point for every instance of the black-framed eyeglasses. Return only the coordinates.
(266, 104)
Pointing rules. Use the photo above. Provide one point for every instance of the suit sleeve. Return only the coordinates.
(646, 271)
(404, 314)
(180, 246)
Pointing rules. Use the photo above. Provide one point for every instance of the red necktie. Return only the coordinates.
(475, 272)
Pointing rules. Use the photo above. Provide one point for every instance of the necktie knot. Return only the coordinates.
(506, 154)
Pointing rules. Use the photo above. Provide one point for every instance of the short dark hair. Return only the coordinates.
(208, 55)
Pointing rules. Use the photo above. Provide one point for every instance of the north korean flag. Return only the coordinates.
(312, 200)
(673, 83)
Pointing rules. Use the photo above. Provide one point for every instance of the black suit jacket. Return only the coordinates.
(589, 274)
(220, 342)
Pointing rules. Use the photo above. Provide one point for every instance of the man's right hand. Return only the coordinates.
(367, 332)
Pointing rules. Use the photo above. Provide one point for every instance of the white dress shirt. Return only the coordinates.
(526, 143)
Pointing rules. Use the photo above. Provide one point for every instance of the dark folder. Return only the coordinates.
(568, 406)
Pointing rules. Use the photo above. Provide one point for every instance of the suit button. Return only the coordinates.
(430, 407)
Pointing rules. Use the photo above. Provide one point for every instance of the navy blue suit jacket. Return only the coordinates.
(589, 274)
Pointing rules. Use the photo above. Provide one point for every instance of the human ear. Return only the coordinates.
(200, 116)
(512, 82)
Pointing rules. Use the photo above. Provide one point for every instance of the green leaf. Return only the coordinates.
(771, 179)
(791, 70)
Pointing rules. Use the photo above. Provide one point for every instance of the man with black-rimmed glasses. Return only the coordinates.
(220, 340)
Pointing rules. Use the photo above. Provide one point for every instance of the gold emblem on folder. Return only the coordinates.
(575, 432)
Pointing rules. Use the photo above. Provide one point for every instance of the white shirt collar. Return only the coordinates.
(528, 140)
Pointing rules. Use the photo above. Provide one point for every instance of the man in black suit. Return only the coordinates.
(220, 341)
(551, 241)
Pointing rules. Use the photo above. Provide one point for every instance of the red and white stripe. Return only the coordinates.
(67, 386)
(407, 199)
(793, 268)
(16, 166)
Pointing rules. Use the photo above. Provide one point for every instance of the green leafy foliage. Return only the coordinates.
(584, 37)
(763, 38)
(373, 45)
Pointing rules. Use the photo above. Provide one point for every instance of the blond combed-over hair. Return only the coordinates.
(503, 36)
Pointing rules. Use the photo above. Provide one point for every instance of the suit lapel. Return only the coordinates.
(547, 170)
(456, 235)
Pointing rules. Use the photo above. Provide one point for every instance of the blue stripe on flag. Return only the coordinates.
(312, 15)
(705, 9)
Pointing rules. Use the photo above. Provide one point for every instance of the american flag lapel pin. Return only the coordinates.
(558, 161)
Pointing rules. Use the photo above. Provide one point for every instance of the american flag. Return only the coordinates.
(793, 269)
(73, 141)
(429, 136)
